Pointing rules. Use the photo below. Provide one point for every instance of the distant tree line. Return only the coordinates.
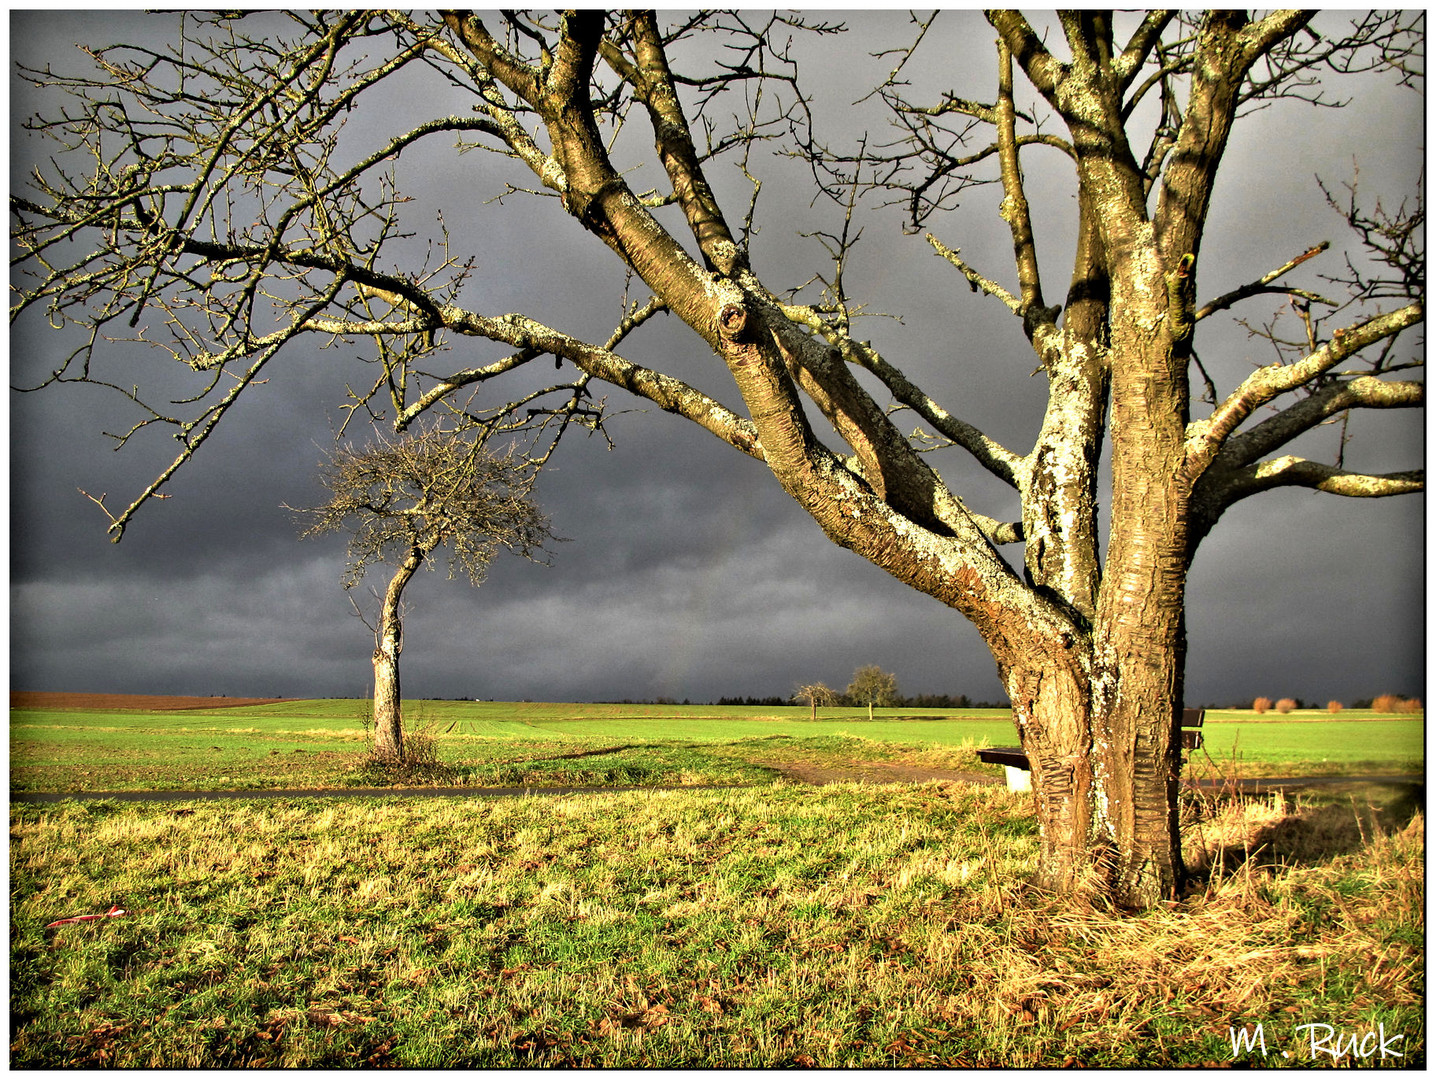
(914, 701)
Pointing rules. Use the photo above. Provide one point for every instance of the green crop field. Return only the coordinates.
(320, 743)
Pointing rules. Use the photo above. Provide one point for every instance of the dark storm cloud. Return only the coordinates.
(212, 633)
(690, 574)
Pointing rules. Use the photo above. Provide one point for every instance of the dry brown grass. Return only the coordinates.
(1289, 895)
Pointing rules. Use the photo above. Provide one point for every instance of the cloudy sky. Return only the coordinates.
(688, 573)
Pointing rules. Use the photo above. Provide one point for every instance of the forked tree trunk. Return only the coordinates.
(1097, 707)
(1104, 768)
(389, 643)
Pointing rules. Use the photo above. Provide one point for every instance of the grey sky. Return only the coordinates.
(689, 573)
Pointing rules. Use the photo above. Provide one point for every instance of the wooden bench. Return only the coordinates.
(1019, 769)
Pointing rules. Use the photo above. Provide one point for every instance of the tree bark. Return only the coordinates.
(1095, 715)
(389, 643)
(1051, 706)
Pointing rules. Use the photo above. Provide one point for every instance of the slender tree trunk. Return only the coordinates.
(389, 643)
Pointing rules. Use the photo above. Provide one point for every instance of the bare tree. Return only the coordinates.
(403, 498)
(218, 200)
(815, 695)
(871, 686)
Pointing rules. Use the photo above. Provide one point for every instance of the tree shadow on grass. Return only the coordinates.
(1235, 832)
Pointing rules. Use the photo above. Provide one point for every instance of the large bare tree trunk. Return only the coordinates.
(1097, 710)
(389, 643)
(1097, 722)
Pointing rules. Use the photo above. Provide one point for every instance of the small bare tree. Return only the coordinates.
(401, 499)
(871, 686)
(815, 694)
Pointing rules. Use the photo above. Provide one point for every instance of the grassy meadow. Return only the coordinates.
(307, 744)
(763, 925)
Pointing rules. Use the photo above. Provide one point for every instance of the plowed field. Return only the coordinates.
(55, 701)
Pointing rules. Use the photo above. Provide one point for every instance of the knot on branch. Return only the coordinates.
(733, 322)
(1035, 317)
(585, 205)
(1179, 297)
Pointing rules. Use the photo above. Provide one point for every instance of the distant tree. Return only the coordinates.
(871, 686)
(401, 499)
(1395, 703)
(814, 695)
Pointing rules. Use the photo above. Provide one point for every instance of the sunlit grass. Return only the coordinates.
(318, 744)
(848, 925)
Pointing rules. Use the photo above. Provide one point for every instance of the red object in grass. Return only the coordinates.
(112, 913)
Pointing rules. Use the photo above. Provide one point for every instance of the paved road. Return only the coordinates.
(1253, 786)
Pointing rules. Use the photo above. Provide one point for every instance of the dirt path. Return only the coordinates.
(876, 772)
(870, 772)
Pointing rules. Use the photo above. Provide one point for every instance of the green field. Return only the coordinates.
(776, 925)
(765, 924)
(319, 744)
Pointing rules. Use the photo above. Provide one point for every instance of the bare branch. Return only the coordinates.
(1206, 437)
(994, 457)
(1292, 471)
(1141, 44)
(1323, 403)
(976, 280)
(1014, 203)
(1027, 48)
(1260, 285)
